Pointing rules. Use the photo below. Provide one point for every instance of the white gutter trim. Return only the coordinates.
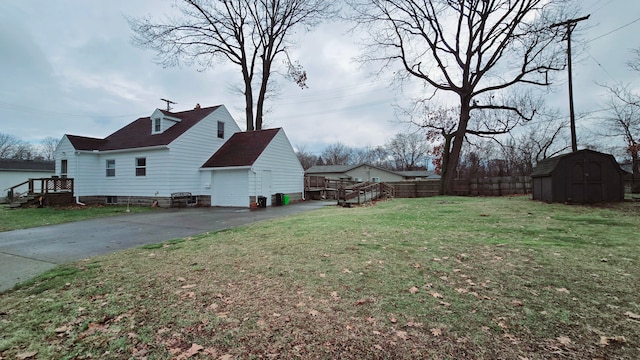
(148, 148)
(225, 168)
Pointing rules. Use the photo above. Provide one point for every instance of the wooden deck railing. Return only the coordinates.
(42, 186)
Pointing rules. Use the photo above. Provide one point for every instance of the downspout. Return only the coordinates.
(77, 153)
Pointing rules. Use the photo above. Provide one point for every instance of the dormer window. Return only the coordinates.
(162, 121)
(157, 125)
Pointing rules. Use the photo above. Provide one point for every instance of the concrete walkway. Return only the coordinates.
(30, 252)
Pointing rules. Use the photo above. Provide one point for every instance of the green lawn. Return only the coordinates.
(444, 277)
(13, 219)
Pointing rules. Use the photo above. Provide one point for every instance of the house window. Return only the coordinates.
(157, 125)
(111, 168)
(141, 166)
(63, 168)
(375, 179)
(112, 200)
(221, 129)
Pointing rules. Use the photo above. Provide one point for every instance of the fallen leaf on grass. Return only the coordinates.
(393, 320)
(314, 313)
(445, 304)
(417, 266)
(190, 286)
(436, 331)
(226, 357)
(377, 347)
(346, 271)
(562, 290)
(632, 315)
(607, 340)
(361, 301)
(62, 329)
(181, 279)
(563, 340)
(401, 334)
(413, 290)
(26, 355)
(517, 303)
(436, 295)
(194, 349)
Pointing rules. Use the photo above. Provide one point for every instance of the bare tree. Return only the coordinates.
(409, 151)
(13, 148)
(337, 154)
(48, 147)
(373, 155)
(623, 120)
(306, 158)
(248, 33)
(473, 49)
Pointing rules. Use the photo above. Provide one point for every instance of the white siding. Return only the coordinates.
(189, 152)
(230, 188)
(287, 175)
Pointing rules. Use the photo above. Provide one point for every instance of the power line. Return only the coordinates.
(21, 108)
(614, 30)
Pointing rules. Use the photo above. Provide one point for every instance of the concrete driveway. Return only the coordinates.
(30, 252)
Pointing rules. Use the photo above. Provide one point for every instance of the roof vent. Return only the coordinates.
(197, 107)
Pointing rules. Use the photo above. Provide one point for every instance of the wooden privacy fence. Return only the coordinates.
(495, 186)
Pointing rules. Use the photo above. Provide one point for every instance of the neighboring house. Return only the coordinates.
(15, 171)
(419, 174)
(163, 154)
(360, 172)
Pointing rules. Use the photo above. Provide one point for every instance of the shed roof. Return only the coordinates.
(27, 165)
(138, 133)
(242, 149)
(547, 166)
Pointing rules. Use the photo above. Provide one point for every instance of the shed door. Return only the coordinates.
(586, 182)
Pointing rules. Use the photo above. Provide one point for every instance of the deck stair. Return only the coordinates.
(363, 193)
(41, 192)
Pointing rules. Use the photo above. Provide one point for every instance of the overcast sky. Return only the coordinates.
(68, 67)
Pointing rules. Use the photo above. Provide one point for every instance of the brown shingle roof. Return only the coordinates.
(138, 133)
(242, 149)
(26, 165)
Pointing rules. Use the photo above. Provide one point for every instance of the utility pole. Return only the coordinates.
(571, 24)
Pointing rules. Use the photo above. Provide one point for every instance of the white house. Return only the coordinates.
(163, 154)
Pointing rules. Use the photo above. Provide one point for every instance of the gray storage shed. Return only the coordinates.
(584, 176)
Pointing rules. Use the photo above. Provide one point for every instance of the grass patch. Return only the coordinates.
(14, 219)
(412, 278)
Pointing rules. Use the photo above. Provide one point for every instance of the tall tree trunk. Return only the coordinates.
(248, 98)
(446, 150)
(262, 96)
(635, 172)
(454, 156)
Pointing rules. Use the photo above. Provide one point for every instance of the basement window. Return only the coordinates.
(112, 200)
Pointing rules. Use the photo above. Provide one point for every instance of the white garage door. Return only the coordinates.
(230, 188)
